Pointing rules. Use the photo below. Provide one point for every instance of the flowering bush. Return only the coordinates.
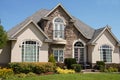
(64, 71)
(5, 73)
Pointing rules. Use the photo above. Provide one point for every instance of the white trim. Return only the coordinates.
(59, 49)
(30, 21)
(106, 28)
(73, 46)
(22, 28)
(85, 55)
(35, 55)
(63, 35)
(57, 7)
(110, 49)
(40, 43)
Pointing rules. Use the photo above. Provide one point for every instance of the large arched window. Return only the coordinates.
(58, 29)
(79, 52)
(106, 53)
(30, 51)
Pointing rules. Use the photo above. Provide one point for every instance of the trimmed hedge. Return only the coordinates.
(35, 67)
(69, 61)
(100, 65)
(113, 65)
(76, 67)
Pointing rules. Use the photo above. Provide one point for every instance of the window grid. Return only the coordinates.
(79, 52)
(58, 31)
(58, 55)
(106, 53)
(30, 51)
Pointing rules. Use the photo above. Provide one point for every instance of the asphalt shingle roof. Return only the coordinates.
(96, 33)
(35, 17)
(86, 30)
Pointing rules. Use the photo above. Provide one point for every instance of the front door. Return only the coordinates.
(79, 52)
(79, 55)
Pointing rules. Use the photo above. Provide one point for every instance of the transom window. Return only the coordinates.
(106, 53)
(58, 31)
(58, 55)
(79, 52)
(30, 51)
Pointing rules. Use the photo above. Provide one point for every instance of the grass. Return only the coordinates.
(96, 76)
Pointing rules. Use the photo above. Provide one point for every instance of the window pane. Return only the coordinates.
(30, 51)
(106, 53)
(58, 28)
(58, 55)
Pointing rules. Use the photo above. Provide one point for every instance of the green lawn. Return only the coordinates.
(92, 76)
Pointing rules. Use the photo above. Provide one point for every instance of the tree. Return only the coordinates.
(3, 37)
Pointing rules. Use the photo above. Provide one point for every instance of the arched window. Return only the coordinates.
(58, 29)
(30, 51)
(106, 53)
(79, 52)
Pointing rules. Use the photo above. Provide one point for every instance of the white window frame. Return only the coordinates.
(26, 54)
(58, 57)
(80, 47)
(58, 30)
(107, 56)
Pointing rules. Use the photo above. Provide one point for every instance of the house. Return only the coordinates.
(56, 31)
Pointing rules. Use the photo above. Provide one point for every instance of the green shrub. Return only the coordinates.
(21, 75)
(22, 67)
(100, 64)
(101, 68)
(114, 65)
(69, 61)
(5, 73)
(37, 67)
(31, 74)
(111, 69)
(51, 59)
(76, 67)
(44, 68)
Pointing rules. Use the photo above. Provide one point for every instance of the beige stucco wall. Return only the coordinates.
(30, 32)
(5, 54)
(90, 50)
(106, 38)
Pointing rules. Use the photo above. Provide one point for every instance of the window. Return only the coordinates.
(30, 51)
(79, 52)
(106, 53)
(58, 31)
(58, 55)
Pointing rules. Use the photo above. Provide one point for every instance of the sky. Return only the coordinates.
(95, 13)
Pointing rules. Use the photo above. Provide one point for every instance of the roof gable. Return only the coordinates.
(99, 32)
(30, 21)
(59, 5)
(84, 29)
(35, 17)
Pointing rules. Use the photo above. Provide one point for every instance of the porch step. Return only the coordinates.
(87, 70)
(90, 71)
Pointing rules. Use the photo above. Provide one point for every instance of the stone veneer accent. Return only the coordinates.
(71, 33)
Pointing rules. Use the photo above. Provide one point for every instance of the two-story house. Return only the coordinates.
(56, 31)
